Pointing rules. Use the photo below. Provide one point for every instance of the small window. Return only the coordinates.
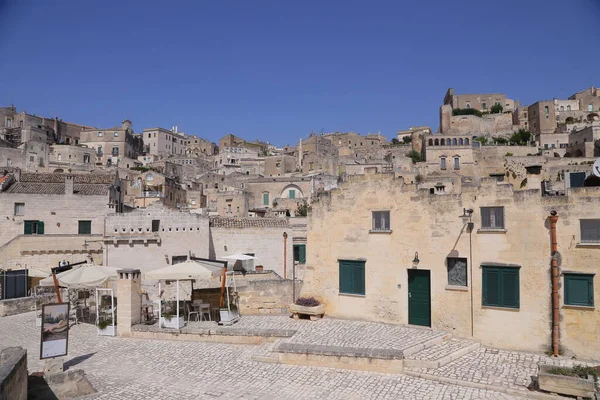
(352, 277)
(33, 227)
(590, 230)
(457, 271)
(590, 107)
(115, 151)
(300, 253)
(19, 208)
(85, 227)
(443, 163)
(492, 217)
(579, 290)
(155, 225)
(100, 134)
(116, 134)
(500, 287)
(265, 199)
(546, 110)
(484, 106)
(381, 220)
(456, 162)
(292, 194)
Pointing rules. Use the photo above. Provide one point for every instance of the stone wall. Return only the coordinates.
(23, 304)
(13, 373)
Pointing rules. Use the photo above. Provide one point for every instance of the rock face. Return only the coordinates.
(70, 384)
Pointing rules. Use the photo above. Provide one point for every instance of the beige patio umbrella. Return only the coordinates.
(183, 271)
(83, 277)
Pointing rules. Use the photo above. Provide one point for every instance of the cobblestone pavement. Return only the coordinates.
(442, 349)
(488, 366)
(338, 332)
(153, 369)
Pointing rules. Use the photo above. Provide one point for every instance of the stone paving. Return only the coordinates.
(442, 349)
(488, 366)
(153, 369)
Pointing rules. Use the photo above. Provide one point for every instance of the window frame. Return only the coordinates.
(456, 163)
(84, 223)
(442, 163)
(385, 228)
(567, 299)
(583, 240)
(502, 272)
(17, 206)
(494, 225)
(266, 199)
(292, 193)
(355, 283)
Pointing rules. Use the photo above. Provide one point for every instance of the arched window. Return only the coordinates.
(454, 143)
(437, 142)
(443, 142)
(568, 108)
(468, 105)
(431, 142)
(562, 108)
(460, 142)
(149, 178)
(466, 142)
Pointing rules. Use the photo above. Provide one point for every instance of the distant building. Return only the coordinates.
(112, 145)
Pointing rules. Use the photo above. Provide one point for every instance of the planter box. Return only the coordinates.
(108, 331)
(562, 384)
(228, 317)
(314, 312)
(173, 323)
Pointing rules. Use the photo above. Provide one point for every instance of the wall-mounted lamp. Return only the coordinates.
(466, 218)
(415, 261)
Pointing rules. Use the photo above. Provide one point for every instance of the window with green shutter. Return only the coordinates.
(265, 199)
(579, 290)
(292, 194)
(33, 227)
(85, 228)
(500, 286)
(352, 277)
(300, 253)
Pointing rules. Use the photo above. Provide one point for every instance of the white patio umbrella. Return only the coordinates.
(85, 276)
(241, 257)
(37, 273)
(183, 271)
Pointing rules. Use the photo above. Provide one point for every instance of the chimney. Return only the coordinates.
(69, 185)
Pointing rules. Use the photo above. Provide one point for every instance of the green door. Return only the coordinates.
(419, 297)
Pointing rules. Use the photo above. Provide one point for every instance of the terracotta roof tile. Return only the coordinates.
(57, 188)
(224, 222)
(92, 178)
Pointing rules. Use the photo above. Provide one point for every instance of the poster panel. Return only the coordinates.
(55, 330)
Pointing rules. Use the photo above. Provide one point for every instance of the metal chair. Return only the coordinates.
(205, 310)
(192, 312)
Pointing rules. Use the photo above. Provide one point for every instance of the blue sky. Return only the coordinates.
(276, 70)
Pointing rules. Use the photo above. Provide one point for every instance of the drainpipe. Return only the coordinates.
(555, 302)
(285, 236)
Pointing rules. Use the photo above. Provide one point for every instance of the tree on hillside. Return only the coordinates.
(395, 141)
(407, 139)
(521, 137)
(496, 108)
(415, 156)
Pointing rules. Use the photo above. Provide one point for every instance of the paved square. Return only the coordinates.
(154, 369)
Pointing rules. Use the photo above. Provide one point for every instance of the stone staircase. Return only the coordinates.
(266, 353)
(439, 354)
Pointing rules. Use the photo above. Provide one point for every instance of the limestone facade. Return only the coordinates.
(428, 228)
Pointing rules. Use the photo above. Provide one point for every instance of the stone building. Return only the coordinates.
(197, 146)
(71, 157)
(585, 142)
(478, 101)
(164, 143)
(279, 165)
(230, 159)
(113, 145)
(477, 264)
(32, 156)
(542, 118)
(48, 217)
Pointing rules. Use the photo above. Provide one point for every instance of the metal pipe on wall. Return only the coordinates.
(285, 236)
(555, 299)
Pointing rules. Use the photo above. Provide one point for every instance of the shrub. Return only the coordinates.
(496, 108)
(104, 323)
(521, 137)
(509, 154)
(307, 302)
(415, 156)
(466, 111)
(581, 371)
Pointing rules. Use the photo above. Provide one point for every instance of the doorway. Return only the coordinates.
(419, 297)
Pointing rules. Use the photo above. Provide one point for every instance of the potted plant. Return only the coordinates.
(580, 380)
(169, 320)
(106, 327)
(229, 313)
(307, 306)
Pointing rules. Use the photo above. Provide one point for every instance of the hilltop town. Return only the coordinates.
(485, 230)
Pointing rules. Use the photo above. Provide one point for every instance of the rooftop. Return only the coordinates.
(223, 222)
(93, 178)
(57, 188)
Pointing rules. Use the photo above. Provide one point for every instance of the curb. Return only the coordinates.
(526, 393)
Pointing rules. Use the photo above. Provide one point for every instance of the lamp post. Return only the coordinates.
(466, 218)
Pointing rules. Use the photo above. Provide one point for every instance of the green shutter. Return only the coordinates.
(491, 287)
(40, 227)
(292, 194)
(85, 227)
(579, 290)
(28, 227)
(352, 277)
(510, 287)
(266, 199)
(302, 250)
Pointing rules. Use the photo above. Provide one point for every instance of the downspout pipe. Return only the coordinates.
(554, 268)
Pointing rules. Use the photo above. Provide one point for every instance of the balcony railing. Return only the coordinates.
(153, 194)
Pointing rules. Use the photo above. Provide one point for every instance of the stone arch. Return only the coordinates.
(460, 141)
(431, 142)
(286, 192)
(443, 142)
(454, 142)
(437, 142)
(466, 141)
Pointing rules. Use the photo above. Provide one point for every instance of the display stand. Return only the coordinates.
(105, 319)
(231, 314)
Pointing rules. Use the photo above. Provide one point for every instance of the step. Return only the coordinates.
(440, 354)
(265, 354)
